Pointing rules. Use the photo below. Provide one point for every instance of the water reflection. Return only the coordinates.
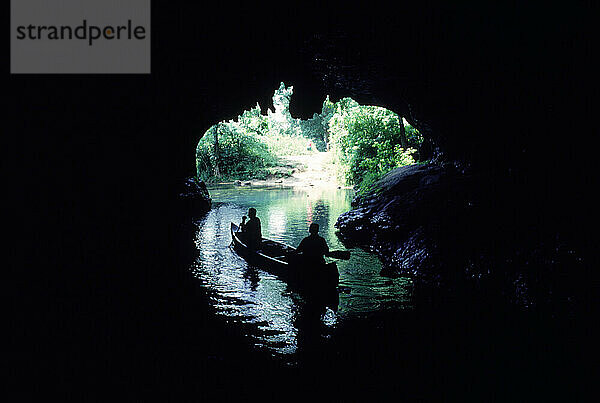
(277, 223)
(276, 318)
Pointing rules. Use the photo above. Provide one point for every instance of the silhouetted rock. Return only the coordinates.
(441, 224)
(195, 196)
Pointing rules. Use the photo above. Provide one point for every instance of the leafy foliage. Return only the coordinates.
(366, 141)
(314, 130)
(281, 122)
(282, 145)
(228, 151)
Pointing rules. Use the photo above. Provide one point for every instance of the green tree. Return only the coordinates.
(227, 151)
(368, 141)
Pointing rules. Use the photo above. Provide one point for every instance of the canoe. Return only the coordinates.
(284, 262)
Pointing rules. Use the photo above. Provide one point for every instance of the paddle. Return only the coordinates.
(339, 254)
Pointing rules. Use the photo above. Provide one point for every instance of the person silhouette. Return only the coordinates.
(314, 248)
(253, 230)
(243, 224)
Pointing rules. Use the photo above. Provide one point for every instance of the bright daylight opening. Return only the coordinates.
(345, 144)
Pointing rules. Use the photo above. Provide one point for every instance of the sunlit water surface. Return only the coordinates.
(259, 302)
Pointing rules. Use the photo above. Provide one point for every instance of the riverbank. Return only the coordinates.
(300, 171)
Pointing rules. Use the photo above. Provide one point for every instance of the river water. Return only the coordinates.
(384, 332)
(275, 318)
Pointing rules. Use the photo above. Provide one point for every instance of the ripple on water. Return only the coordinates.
(247, 295)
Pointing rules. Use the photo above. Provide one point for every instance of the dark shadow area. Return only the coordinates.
(101, 300)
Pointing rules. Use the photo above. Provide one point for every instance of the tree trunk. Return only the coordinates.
(403, 140)
(216, 152)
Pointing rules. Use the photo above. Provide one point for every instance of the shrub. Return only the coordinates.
(227, 152)
(366, 141)
(369, 141)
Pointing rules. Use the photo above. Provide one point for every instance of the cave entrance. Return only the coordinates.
(344, 144)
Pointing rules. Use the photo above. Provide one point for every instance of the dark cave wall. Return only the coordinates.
(494, 86)
(107, 152)
(95, 163)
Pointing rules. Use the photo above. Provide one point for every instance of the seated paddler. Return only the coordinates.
(314, 247)
(252, 230)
